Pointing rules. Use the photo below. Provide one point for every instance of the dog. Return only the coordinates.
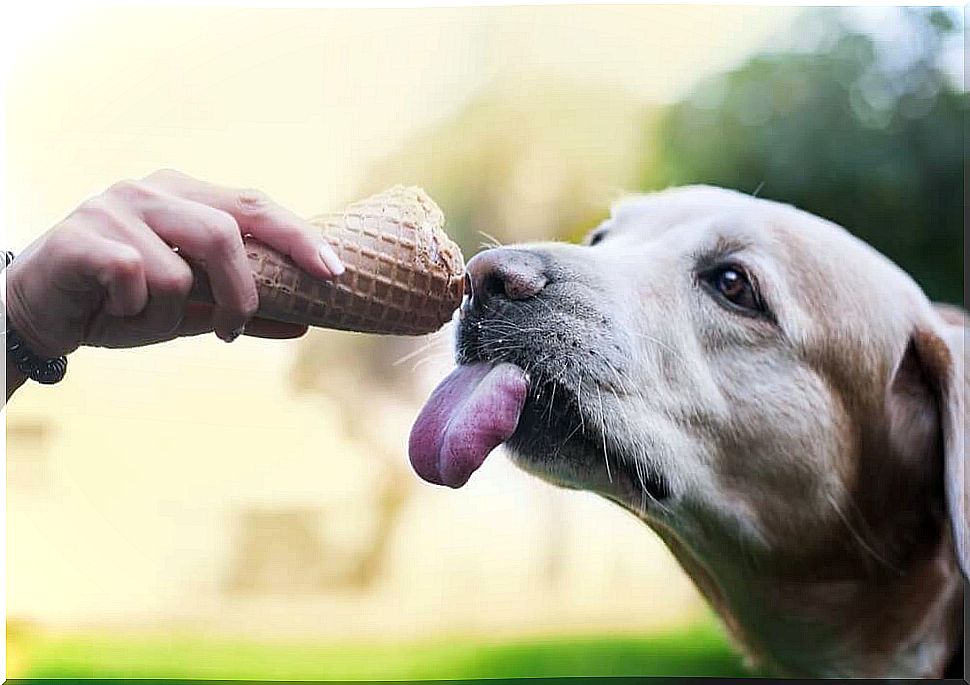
(778, 401)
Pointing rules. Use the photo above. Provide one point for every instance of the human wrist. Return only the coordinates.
(14, 377)
(25, 351)
(19, 312)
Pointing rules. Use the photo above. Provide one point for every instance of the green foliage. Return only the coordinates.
(866, 133)
(701, 651)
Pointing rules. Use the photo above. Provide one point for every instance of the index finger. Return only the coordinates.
(260, 217)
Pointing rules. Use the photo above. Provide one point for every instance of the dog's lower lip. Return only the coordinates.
(545, 432)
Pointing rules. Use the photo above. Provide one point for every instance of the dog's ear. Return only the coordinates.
(927, 418)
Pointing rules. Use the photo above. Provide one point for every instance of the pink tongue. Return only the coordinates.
(473, 411)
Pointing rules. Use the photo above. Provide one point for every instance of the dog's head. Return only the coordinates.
(746, 377)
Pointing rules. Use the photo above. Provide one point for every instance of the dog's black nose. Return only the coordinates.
(503, 273)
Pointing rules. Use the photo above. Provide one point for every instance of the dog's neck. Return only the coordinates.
(887, 624)
(826, 618)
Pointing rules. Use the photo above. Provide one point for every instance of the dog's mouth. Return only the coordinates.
(525, 388)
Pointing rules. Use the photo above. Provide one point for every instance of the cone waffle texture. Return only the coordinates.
(404, 275)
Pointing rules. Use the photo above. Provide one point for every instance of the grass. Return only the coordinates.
(699, 651)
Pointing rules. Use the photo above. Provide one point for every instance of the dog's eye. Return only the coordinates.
(732, 284)
(596, 237)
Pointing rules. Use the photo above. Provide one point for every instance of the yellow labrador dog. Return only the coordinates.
(774, 398)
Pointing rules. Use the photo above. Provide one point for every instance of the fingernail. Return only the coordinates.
(330, 260)
(233, 334)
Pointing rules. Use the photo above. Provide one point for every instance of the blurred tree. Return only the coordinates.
(861, 127)
(531, 157)
(375, 397)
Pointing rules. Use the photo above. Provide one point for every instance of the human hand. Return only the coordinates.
(115, 272)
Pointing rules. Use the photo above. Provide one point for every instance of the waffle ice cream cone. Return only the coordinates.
(404, 275)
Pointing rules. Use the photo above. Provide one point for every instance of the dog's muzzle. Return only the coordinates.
(537, 350)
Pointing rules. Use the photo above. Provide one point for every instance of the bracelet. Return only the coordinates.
(46, 371)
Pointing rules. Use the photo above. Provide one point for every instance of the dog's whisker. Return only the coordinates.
(492, 241)
(620, 381)
(416, 352)
(602, 422)
(858, 537)
(547, 306)
(626, 424)
(430, 358)
(661, 343)
(552, 403)
(568, 437)
(579, 401)
(645, 491)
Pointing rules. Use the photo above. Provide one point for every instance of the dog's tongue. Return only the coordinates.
(474, 410)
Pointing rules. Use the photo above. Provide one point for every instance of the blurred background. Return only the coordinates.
(247, 511)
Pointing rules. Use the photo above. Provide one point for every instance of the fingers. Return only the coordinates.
(120, 270)
(258, 215)
(169, 280)
(107, 274)
(198, 317)
(211, 238)
(143, 281)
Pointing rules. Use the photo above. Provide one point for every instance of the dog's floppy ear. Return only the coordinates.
(927, 418)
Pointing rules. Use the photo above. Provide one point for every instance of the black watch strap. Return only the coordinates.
(46, 371)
